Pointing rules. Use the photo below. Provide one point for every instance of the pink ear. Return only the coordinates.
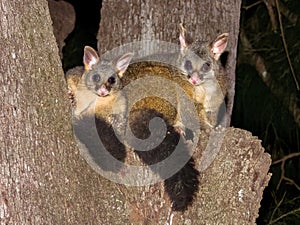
(122, 63)
(183, 44)
(90, 57)
(218, 45)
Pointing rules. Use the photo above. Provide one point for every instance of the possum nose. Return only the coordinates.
(102, 91)
(195, 78)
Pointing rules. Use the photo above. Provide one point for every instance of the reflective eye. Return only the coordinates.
(205, 67)
(188, 65)
(111, 80)
(96, 78)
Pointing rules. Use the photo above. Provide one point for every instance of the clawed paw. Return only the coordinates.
(71, 97)
(179, 128)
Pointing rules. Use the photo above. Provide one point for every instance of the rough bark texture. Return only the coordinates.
(43, 180)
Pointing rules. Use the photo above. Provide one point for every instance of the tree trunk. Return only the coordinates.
(43, 179)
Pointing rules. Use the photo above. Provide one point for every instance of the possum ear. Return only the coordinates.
(184, 38)
(183, 43)
(218, 46)
(122, 63)
(90, 57)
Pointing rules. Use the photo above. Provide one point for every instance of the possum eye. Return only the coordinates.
(188, 65)
(96, 78)
(111, 80)
(205, 67)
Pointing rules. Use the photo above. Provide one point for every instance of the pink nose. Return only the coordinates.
(102, 91)
(194, 79)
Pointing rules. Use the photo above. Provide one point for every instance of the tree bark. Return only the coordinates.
(43, 179)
